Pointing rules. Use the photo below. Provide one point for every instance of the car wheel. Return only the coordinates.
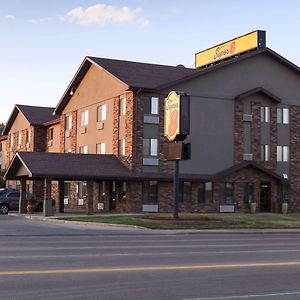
(4, 209)
(40, 207)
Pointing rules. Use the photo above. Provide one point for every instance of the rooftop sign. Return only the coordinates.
(249, 41)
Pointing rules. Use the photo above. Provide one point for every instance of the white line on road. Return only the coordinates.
(247, 296)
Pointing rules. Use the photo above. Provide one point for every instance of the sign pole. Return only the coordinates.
(176, 189)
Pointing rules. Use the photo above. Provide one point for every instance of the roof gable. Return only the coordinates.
(258, 90)
(35, 115)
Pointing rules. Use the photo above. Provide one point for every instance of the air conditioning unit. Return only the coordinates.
(248, 156)
(83, 130)
(247, 118)
(68, 133)
(50, 143)
(100, 125)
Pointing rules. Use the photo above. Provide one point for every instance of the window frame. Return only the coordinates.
(84, 118)
(99, 147)
(101, 113)
(265, 113)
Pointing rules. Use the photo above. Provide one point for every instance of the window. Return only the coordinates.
(84, 118)
(123, 189)
(150, 192)
(282, 153)
(102, 186)
(265, 152)
(227, 197)
(185, 191)
(101, 113)
(122, 106)
(248, 193)
(205, 192)
(28, 136)
(122, 147)
(67, 189)
(100, 148)
(50, 136)
(282, 115)
(83, 149)
(150, 147)
(20, 138)
(11, 141)
(0, 147)
(151, 105)
(81, 189)
(265, 114)
(68, 122)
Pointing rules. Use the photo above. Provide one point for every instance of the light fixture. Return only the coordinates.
(72, 90)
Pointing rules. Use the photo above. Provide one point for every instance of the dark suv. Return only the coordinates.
(9, 200)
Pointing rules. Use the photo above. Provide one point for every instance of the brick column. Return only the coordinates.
(255, 131)
(90, 197)
(47, 211)
(238, 131)
(22, 201)
(61, 196)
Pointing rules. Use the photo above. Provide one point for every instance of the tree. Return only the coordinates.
(2, 184)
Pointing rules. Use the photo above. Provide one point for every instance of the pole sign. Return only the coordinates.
(249, 41)
(177, 116)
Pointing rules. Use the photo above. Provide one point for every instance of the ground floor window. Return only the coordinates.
(185, 191)
(205, 194)
(227, 193)
(123, 190)
(102, 187)
(248, 193)
(150, 192)
(82, 189)
(67, 189)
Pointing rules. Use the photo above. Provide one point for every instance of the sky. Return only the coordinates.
(42, 42)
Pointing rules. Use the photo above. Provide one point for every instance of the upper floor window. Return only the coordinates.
(265, 152)
(50, 134)
(150, 147)
(101, 113)
(282, 115)
(84, 118)
(68, 122)
(83, 149)
(20, 138)
(101, 148)
(122, 147)
(11, 140)
(0, 147)
(151, 105)
(205, 192)
(283, 153)
(28, 136)
(122, 106)
(265, 114)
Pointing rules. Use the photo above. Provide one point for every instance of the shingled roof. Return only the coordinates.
(35, 115)
(135, 75)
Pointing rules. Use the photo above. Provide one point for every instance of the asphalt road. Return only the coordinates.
(41, 260)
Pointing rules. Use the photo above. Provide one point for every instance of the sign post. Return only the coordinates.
(177, 127)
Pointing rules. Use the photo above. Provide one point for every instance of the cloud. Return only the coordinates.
(39, 21)
(10, 17)
(142, 22)
(102, 14)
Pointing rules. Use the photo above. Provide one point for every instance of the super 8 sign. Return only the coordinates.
(172, 112)
(176, 116)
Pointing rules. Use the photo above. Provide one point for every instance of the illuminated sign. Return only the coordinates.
(172, 113)
(252, 40)
(177, 116)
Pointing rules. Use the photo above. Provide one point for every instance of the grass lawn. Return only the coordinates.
(199, 221)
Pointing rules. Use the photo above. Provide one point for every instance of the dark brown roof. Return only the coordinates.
(35, 115)
(247, 164)
(258, 90)
(136, 75)
(142, 75)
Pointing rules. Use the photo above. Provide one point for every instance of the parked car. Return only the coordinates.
(9, 201)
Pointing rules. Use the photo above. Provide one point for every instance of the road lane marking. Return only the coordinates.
(154, 268)
(247, 296)
(140, 254)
